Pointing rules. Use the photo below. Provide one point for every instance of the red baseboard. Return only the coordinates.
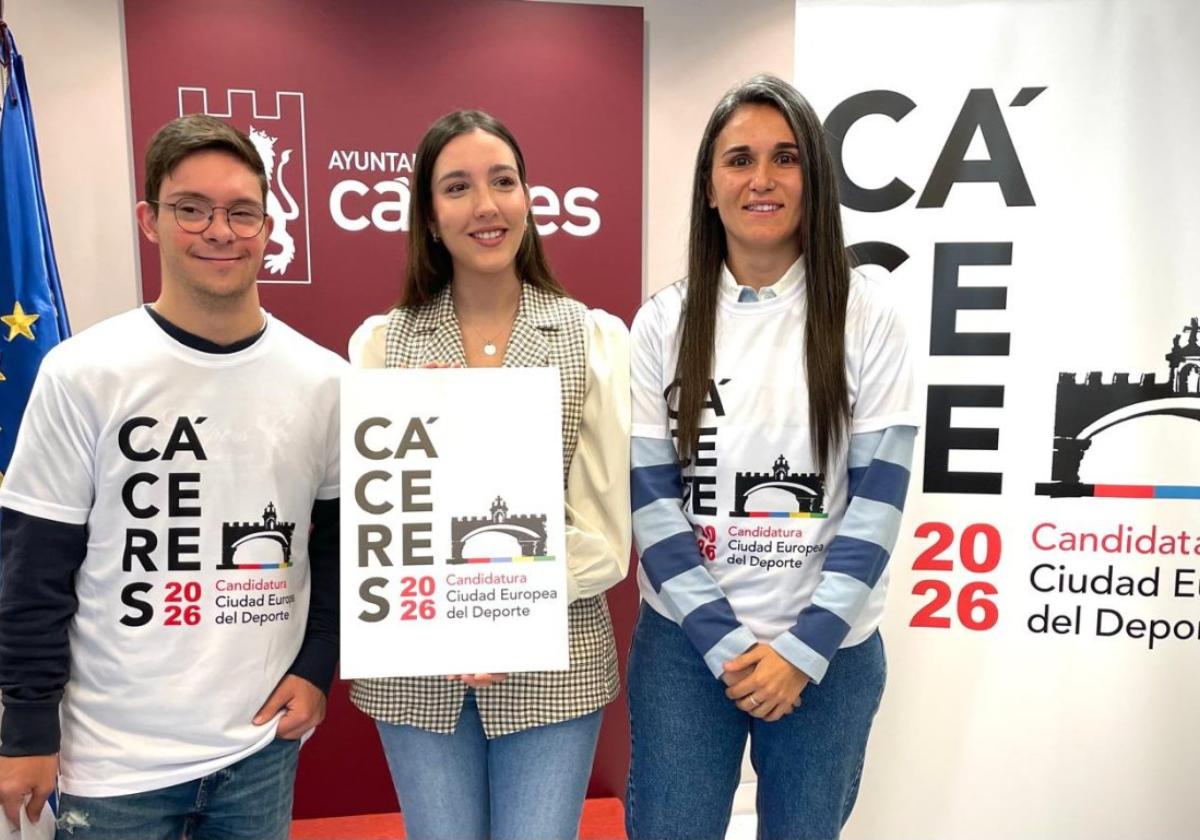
(603, 819)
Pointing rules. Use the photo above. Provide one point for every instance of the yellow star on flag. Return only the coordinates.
(19, 322)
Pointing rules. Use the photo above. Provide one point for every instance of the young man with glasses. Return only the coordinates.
(169, 534)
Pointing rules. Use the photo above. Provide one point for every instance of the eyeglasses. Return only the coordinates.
(195, 215)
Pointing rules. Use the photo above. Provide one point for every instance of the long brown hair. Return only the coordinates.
(429, 265)
(826, 266)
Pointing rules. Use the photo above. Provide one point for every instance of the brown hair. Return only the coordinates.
(826, 265)
(194, 133)
(429, 266)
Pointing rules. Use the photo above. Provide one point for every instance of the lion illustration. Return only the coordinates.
(276, 263)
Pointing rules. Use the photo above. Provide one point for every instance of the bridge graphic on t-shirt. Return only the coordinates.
(235, 535)
(807, 488)
(528, 530)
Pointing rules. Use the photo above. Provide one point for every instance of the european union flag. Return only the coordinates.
(33, 317)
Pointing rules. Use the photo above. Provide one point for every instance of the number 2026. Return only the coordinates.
(976, 611)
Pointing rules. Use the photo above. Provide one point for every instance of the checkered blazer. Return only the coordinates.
(548, 330)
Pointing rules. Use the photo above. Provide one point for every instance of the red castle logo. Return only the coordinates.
(278, 134)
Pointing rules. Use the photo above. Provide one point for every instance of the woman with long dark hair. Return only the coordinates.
(773, 432)
(475, 756)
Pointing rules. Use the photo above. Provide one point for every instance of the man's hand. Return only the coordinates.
(304, 702)
(773, 687)
(478, 680)
(31, 775)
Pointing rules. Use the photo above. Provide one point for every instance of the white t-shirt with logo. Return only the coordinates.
(195, 475)
(763, 513)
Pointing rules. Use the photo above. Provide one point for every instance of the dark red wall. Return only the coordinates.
(373, 74)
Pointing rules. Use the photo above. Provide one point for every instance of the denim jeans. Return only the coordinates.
(688, 740)
(529, 785)
(249, 800)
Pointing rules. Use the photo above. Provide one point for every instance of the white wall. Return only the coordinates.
(74, 57)
(75, 65)
(696, 50)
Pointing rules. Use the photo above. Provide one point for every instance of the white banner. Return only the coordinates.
(453, 556)
(1026, 173)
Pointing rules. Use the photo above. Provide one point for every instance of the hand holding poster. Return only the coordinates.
(453, 554)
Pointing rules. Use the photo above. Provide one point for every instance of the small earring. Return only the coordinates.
(436, 238)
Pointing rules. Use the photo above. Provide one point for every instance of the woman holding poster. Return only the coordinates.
(490, 755)
(789, 405)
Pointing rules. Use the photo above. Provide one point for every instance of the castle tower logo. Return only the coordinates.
(238, 535)
(808, 489)
(1083, 410)
(528, 530)
(278, 134)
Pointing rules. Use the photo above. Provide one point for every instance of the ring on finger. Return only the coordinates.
(755, 701)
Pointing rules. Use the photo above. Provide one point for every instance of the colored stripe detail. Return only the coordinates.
(1146, 491)
(522, 558)
(1176, 491)
(1060, 490)
(783, 514)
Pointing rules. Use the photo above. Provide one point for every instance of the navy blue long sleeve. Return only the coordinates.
(38, 562)
(318, 654)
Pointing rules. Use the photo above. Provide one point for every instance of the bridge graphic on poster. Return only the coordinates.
(235, 535)
(529, 530)
(808, 489)
(1084, 409)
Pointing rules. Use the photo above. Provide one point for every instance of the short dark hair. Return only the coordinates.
(429, 266)
(194, 133)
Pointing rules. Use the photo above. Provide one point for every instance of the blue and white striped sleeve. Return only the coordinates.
(662, 534)
(672, 561)
(879, 464)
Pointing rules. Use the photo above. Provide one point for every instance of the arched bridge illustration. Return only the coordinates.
(528, 530)
(1085, 409)
(807, 488)
(234, 535)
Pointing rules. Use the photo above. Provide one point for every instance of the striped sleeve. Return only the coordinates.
(671, 559)
(879, 466)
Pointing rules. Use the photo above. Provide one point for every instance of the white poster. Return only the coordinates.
(1026, 174)
(453, 554)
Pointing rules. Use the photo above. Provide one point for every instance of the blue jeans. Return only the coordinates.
(688, 740)
(249, 800)
(529, 785)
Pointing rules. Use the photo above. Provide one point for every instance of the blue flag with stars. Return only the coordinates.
(33, 317)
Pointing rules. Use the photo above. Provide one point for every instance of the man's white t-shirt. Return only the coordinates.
(195, 474)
